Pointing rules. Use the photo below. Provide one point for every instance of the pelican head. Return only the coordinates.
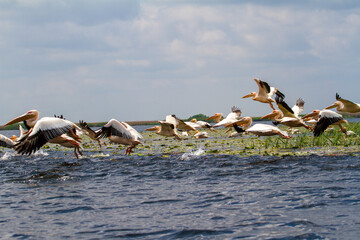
(252, 94)
(217, 117)
(31, 115)
(336, 104)
(273, 115)
(193, 120)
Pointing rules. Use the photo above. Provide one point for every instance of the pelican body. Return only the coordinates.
(259, 129)
(325, 118)
(265, 93)
(121, 133)
(165, 129)
(232, 117)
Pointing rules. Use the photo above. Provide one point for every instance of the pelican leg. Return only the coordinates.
(129, 150)
(342, 129)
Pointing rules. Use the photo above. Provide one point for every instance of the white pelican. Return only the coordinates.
(6, 142)
(265, 93)
(46, 129)
(291, 122)
(345, 106)
(89, 132)
(232, 117)
(201, 135)
(259, 129)
(165, 129)
(199, 124)
(179, 124)
(325, 118)
(121, 133)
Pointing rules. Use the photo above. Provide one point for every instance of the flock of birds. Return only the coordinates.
(58, 130)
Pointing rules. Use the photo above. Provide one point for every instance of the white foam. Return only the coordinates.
(192, 155)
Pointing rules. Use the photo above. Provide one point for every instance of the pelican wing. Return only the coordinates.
(178, 123)
(298, 107)
(115, 128)
(349, 104)
(264, 87)
(85, 128)
(44, 130)
(284, 107)
(6, 142)
(327, 118)
(136, 134)
(166, 126)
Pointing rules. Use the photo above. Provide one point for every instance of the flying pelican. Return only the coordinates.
(165, 129)
(258, 129)
(10, 142)
(232, 117)
(199, 124)
(201, 135)
(325, 118)
(291, 122)
(345, 106)
(46, 129)
(288, 116)
(265, 93)
(179, 124)
(121, 133)
(89, 132)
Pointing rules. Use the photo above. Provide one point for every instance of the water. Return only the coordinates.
(185, 196)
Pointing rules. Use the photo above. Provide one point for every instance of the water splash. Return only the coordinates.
(8, 155)
(192, 155)
(40, 153)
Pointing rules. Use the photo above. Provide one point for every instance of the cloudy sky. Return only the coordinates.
(141, 60)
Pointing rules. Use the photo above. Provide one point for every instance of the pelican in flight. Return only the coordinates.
(165, 129)
(199, 124)
(46, 129)
(231, 118)
(258, 129)
(89, 132)
(179, 124)
(325, 118)
(345, 106)
(121, 133)
(265, 93)
(288, 116)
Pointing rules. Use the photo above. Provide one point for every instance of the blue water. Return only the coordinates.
(54, 196)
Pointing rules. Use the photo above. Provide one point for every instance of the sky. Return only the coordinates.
(142, 60)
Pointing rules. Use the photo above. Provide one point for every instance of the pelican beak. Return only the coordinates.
(21, 118)
(331, 106)
(212, 117)
(247, 96)
(310, 115)
(269, 116)
(151, 129)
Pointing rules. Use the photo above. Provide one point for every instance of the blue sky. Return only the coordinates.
(142, 60)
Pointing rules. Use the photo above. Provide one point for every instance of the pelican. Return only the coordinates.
(232, 117)
(345, 106)
(201, 135)
(165, 129)
(325, 118)
(199, 124)
(179, 124)
(6, 142)
(46, 129)
(121, 133)
(258, 129)
(265, 93)
(89, 132)
(288, 116)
